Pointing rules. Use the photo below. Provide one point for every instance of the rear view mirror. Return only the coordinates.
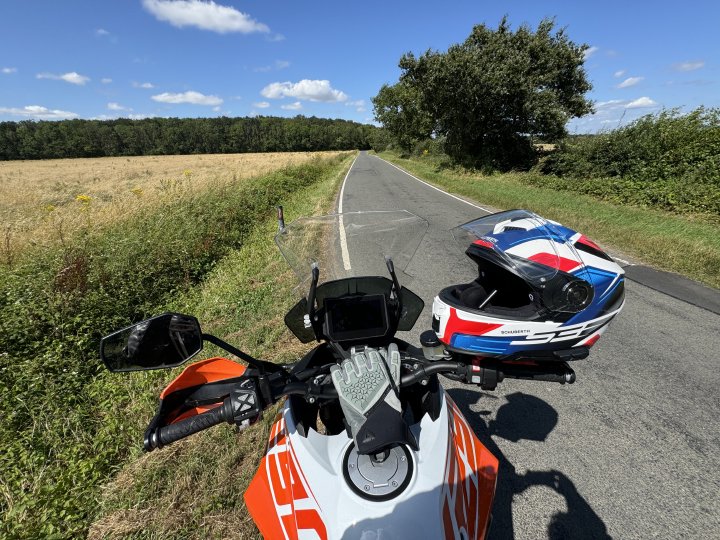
(165, 341)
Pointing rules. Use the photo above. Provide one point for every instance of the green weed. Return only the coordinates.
(68, 425)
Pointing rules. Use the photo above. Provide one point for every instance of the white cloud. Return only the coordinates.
(117, 107)
(292, 106)
(276, 37)
(204, 15)
(101, 32)
(630, 81)
(641, 103)
(106, 80)
(145, 85)
(216, 109)
(261, 105)
(307, 90)
(72, 77)
(589, 52)
(689, 66)
(281, 64)
(9, 70)
(619, 73)
(38, 113)
(194, 98)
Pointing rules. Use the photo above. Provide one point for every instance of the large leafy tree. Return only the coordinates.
(492, 94)
(400, 109)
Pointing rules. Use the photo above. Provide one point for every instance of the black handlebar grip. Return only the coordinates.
(174, 432)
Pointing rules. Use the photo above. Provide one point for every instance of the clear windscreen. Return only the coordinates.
(351, 244)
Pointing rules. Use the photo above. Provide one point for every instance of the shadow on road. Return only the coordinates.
(530, 418)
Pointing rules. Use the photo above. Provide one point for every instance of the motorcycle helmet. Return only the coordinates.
(542, 292)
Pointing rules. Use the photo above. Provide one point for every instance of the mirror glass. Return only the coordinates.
(165, 341)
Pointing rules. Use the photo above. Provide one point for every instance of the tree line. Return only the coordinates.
(163, 136)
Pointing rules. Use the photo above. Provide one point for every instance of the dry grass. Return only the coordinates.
(40, 201)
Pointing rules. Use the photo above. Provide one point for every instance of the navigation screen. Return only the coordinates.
(357, 317)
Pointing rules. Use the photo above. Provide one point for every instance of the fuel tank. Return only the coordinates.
(318, 487)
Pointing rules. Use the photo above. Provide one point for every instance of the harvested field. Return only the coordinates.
(41, 201)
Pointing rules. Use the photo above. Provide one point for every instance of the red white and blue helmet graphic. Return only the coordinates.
(573, 288)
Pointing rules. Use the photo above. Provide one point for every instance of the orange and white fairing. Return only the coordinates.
(300, 492)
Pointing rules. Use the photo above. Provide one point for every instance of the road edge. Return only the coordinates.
(674, 285)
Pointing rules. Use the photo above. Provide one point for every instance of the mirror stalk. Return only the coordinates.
(311, 296)
(396, 285)
(261, 365)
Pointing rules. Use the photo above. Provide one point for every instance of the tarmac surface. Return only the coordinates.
(632, 449)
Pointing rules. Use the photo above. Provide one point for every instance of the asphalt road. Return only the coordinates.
(632, 449)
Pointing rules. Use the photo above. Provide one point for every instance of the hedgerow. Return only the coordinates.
(65, 425)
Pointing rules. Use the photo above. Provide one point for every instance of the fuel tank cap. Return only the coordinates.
(379, 477)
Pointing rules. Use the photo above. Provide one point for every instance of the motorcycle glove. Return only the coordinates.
(367, 385)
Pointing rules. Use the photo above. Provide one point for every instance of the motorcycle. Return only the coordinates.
(368, 443)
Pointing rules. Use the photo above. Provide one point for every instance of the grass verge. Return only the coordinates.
(68, 425)
(667, 241)
(193, 489)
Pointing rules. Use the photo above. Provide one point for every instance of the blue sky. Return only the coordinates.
(188, 58)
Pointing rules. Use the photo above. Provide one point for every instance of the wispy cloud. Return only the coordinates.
(117, 107)
(292, 106)
(641, 103)
(306, 90)
(145, 85)
(261, 105)
(72, 77)
(106, 80)
(278, 65)
(589, 52)
(689, 66)
(611, 104)
(105, 34)
(359, 105)
(191, 97)
(38, 112)
(9, 70)
(205, 15)
(276, 38)
(630, 81)
(619, 73)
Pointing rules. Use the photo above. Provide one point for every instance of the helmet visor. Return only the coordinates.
(535, 249)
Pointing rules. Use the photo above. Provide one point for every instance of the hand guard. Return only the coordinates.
(367, 385)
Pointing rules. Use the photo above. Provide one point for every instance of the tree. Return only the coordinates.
(399, 109)
(490, 95)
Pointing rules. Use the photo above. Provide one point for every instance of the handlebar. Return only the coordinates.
(243, 406)
(245, 403)
(174, 432)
